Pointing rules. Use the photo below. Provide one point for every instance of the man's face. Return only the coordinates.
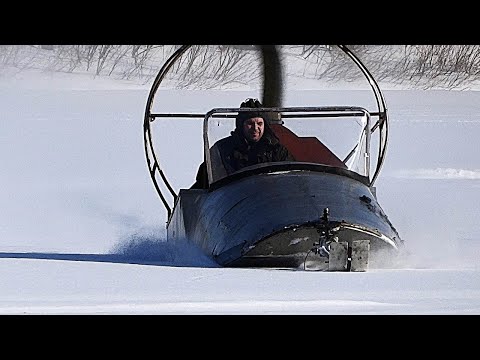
(253, 128)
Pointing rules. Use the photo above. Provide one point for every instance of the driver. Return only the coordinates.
(251, 142)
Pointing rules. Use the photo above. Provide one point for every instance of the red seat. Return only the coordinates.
(308, 149)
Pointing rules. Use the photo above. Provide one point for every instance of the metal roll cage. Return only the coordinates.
(153, 164)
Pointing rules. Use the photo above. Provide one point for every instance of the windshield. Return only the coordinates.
(330, 136)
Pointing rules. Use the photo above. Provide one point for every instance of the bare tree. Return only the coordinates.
(420, 66)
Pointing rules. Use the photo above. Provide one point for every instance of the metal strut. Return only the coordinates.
(341, 255)
(327, 235)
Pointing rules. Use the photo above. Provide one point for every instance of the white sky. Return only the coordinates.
(81, 227)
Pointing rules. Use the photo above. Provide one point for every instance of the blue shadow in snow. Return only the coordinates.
(140, 251)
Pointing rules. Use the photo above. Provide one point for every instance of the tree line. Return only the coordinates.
(419, 66)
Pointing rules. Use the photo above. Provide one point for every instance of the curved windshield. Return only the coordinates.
(331, 136)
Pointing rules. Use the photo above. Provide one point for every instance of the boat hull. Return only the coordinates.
(276, 219)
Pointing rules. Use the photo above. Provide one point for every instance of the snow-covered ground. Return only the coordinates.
(82, 229)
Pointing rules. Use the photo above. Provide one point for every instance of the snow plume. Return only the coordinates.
(149, 246)
(440, 247)
(438, 174)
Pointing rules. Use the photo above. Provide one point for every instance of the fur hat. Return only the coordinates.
(244, 115)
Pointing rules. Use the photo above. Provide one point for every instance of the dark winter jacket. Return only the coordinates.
(236, 153)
